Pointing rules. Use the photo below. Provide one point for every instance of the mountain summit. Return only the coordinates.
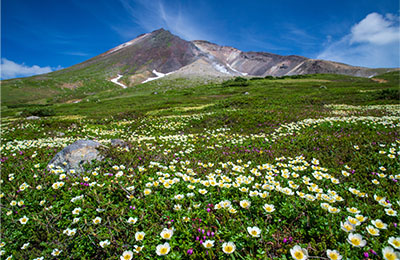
(156, 54)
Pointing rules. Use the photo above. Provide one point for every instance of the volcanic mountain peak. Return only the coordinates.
(160, 52)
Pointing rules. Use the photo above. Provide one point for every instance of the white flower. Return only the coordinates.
(245, 204)
(395, 242)
(126, 255)
(138, 248)
(139, 236)
(299, 253)
(104, 243)
(132, 220)
(24, 246)
(56, 252)
(97, 220)
(76, 211)
(228, 247)
(379, 224)
(167, 233)
(254, 231)
(356, 240)
(269, 208)
(208, 243)
(389, 254)
(391, 212)
(347, 226)
(333, 255)
(163, 249)
(23, 220)
(372, 230)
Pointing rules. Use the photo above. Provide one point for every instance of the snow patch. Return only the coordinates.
(218, 66)
(126, 44)
(242, 73)
(115, 80)
(158, 74)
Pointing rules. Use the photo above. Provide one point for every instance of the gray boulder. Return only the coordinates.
(76, 155)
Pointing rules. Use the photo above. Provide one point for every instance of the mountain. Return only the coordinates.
(153, 55)
(158, 54)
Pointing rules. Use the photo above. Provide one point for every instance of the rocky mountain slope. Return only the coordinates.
(158, 53)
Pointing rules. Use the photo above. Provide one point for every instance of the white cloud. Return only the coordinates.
(10, 69)
(152, 15)
(373, 42)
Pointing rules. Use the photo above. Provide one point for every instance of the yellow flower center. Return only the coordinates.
(379, 224)
(127, 257)
(355, 241)
(254, 232)
(163, 250)
(167, 235)
(390, 256)
(228, 249)
(396, 243)
(298, 255)
(348, 227)
(140, 237)
(333, 256)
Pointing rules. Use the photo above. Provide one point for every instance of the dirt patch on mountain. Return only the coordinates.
(379, 80)
(72, 86)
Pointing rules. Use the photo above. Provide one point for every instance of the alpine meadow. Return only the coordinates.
(164, 148)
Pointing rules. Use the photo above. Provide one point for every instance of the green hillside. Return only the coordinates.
(270, 165)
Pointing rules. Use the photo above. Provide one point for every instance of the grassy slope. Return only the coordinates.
(268, 105)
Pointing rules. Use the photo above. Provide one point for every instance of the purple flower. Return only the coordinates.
(366, 255)
(285, 240)
(372, 252)
(208, 209)
(197, 238)
(190, 251)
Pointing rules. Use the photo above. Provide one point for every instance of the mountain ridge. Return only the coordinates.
(161, 55)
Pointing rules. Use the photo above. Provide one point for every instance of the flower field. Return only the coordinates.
(221, 182)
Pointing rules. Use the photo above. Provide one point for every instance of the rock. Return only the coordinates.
(77, 154)
(33, 118)
(118, 142)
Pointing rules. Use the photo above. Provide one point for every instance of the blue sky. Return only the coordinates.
(46, 35)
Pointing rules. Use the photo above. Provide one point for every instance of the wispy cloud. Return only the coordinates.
(373, 42)
(76, 53)
(10, 69)
(151, 15)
